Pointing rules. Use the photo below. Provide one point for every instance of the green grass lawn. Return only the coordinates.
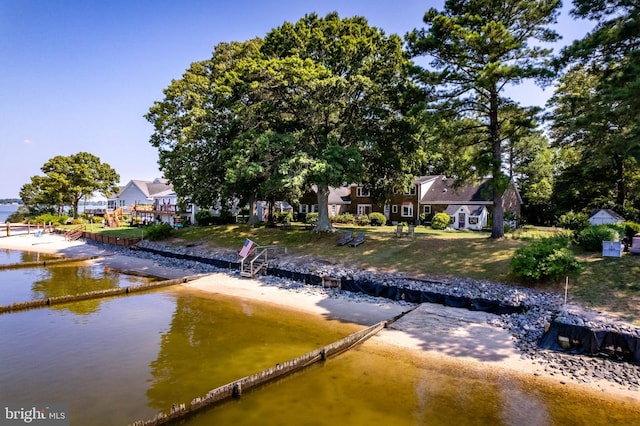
(610, 284)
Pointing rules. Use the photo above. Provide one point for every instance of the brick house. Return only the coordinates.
(469, 204)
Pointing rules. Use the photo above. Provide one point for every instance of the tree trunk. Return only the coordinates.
(324, 224)
(272, 208)
(75, 208)
(253, 216)
(621, 187)
(497, 230)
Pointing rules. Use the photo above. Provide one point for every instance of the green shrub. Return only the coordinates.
(573, 221)
(545, 259)
(225, 217)
(377, 219)
(51, 218)
(346, 218)
(363, 220)
(282, 217)
(440, 221)
(204, 217)
(591, 238)
(158, 232)
(311, 218)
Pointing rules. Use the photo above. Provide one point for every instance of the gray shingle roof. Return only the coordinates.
(443, 191)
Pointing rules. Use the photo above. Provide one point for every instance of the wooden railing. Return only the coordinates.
(110, 239)
(259, 260)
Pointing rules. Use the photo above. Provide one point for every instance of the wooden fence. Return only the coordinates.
(110, 239)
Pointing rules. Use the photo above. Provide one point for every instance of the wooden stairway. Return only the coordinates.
(257, 261)
(74, 233)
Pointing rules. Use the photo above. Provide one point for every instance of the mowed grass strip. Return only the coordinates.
(609, 284)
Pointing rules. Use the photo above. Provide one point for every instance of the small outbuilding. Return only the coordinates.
(605, 217)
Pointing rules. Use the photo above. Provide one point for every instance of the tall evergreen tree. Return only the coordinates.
(477, 49)
(596, 105)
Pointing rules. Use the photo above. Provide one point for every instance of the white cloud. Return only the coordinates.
(27, 142)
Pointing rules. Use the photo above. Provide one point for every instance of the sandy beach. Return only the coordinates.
(431, 333)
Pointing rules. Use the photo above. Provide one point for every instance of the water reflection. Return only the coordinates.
(69, 278)
(214, 340)
(9, 257)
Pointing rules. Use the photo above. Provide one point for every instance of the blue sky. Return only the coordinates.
(79, 75)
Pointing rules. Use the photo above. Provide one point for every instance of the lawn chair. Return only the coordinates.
(357, 240)
(399, 232)
(346, 238)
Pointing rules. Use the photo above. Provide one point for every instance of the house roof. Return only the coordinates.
(340, 195)
(610, 212)
(473, 210)
(444, 191)
(157, 187)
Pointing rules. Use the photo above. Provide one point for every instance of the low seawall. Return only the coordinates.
(49, 262)
(615, 345)
(98, 294)
(582, 340)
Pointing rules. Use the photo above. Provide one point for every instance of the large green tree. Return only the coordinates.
(597, 108)
(339, 86)
(597, 137)
(314, 104)
(67, 179)
(196, 123)
(477, 48)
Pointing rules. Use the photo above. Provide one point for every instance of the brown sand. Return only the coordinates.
(434, 333)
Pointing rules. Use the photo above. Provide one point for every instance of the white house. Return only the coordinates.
(468, 216)
(604, 217)
(149, 201)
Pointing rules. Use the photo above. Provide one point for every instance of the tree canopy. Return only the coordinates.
(596, 109)
(326, 101)
(67, 179)
(477, 48)
(312, 105)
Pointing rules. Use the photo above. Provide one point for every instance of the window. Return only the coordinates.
(333, 210)
(407, 210)
(426, 209)
(304, 208)
(394, 208)
(362, 192)
(410, 191)
(314, 208)
(473, 220)
(364, 209)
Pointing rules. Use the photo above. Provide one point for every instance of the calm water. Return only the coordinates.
(123, 359)
(6, 210)
(138, 354)
(9, 257)
(25, 284)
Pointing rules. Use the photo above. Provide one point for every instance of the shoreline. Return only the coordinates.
(430, 333)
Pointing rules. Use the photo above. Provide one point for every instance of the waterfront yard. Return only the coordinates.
(609, 284)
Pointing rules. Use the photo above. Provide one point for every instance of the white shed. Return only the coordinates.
(605, 217)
